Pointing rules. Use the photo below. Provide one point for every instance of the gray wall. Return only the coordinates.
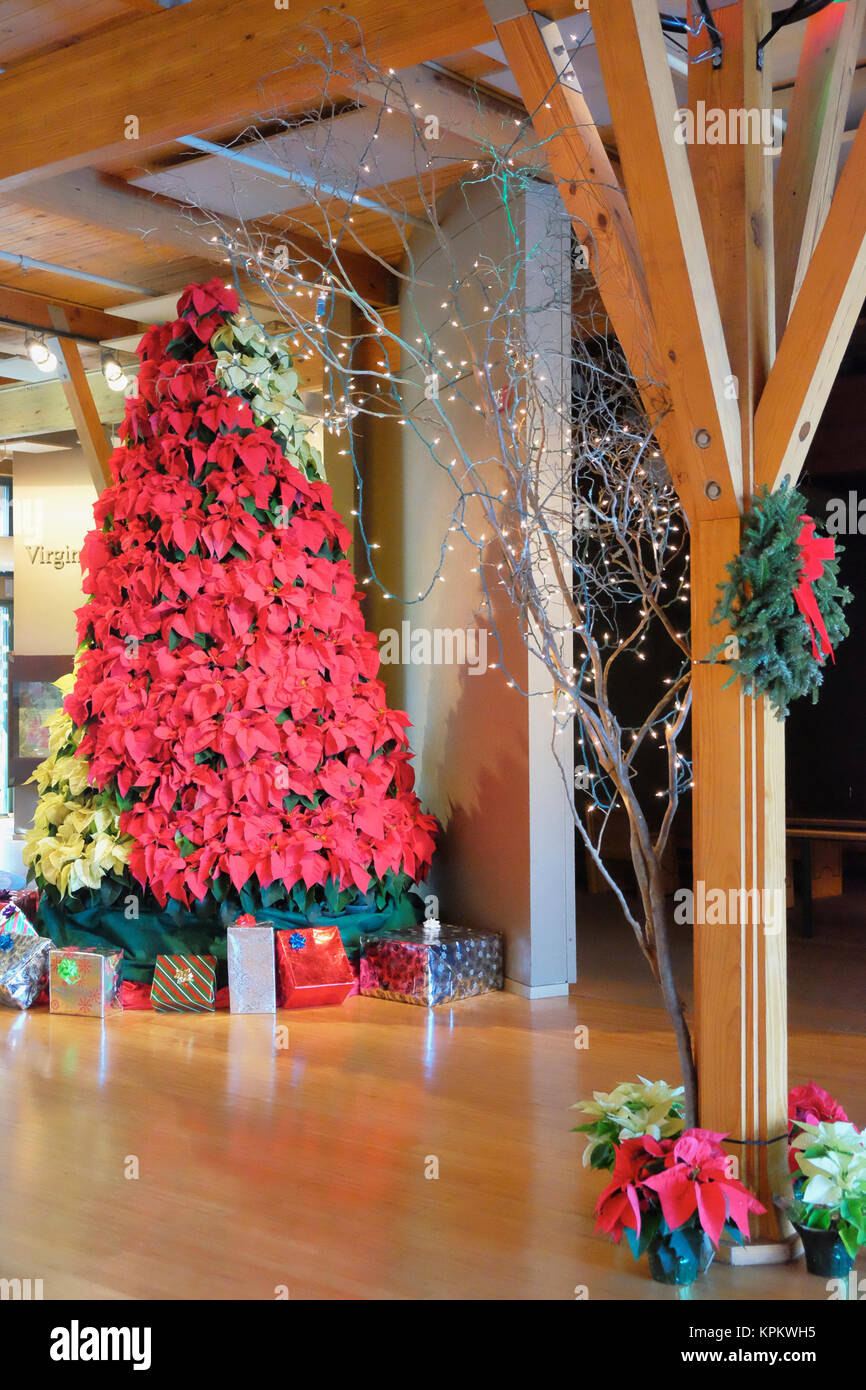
(483, 760)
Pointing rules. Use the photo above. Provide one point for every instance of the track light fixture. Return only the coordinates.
(112, 370)
(39, 352)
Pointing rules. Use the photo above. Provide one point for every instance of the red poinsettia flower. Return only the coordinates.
(810, 1104)
(207, 306)
(696, 1178)
(227, 672)
(619, 1206)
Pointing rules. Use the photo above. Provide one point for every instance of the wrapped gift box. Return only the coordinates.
(14, 920)
(27, 899)
(23, 968)
(85, 981)
(312, 967)
(431, 964)
(252, 974)
(184, 984)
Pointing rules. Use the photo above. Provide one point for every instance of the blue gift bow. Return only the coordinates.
(7, 941)
(297, 940)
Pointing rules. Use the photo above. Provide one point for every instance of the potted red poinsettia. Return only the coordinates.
(827, 1157)
(673, 1199)
(810, 1105)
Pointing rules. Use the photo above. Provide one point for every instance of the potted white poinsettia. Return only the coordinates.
(829, 1204)
(629, 1111)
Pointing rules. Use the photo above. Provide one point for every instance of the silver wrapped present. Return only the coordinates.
(23, 969)
(431, 964)
(252, 967)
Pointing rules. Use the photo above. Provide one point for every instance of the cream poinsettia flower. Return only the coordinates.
(834, 1163)
(252, 364)
(74, 771)
(84, 873)
(650, 1107)
(632, 1109)
(74, 841)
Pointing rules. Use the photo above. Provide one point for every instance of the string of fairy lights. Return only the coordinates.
(566, 510)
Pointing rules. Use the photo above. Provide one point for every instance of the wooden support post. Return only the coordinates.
(738, 745)
(740, 958)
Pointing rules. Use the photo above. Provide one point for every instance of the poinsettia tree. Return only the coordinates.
(227, 736)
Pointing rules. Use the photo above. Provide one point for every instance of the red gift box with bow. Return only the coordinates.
(312, 967)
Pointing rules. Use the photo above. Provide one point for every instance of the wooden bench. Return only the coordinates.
(823, 879)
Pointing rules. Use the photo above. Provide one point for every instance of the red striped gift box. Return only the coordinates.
(184, 984)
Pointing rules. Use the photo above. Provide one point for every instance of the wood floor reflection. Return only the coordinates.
(304, 1168)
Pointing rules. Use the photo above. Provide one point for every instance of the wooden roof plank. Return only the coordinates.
(81, 321)
(186, 69)
(96, 198)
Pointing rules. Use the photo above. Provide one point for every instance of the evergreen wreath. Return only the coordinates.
(774, 653)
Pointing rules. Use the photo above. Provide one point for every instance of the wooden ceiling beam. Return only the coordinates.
(818, 330)
(691, 341)
(85, 324)
(190, 68)
(103, 201)
(482, 118)
(810, 154)
(27, 411)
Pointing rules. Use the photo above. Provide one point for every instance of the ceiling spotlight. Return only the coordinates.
(39, 352)
(113, 372)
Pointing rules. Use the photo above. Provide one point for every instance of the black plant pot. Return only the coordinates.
(826, 1256)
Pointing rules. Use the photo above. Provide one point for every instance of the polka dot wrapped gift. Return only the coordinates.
(431, 964)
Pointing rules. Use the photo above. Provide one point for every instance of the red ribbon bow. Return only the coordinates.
(814, 551)
(246, 919)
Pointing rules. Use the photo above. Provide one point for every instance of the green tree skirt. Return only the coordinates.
(85, 921)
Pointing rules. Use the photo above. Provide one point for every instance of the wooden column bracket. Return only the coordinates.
(810, 153)
(82, 406)
(691, 340)
(818, 331)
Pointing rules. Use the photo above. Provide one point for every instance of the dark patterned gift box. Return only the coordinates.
(184, 984)
(431, 964)
(85, 980)
(23, 968)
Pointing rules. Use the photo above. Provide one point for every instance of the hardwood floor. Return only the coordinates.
(304, 1167)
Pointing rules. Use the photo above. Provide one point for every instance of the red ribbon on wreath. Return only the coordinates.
(814, 550)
